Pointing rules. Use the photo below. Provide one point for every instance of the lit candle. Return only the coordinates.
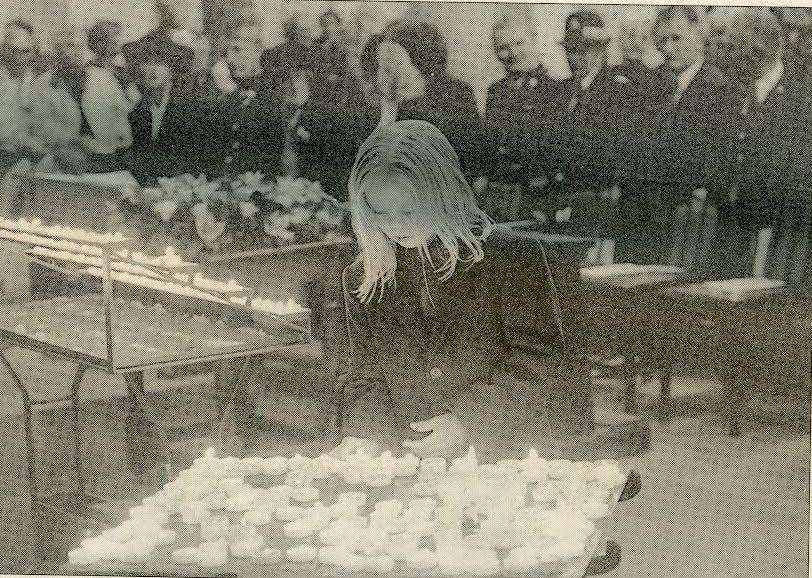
(267, 556)
(302, 553)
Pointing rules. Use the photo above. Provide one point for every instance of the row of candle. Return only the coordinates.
(260, 305)
(37, 227)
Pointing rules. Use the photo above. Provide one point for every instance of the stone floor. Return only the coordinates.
(711, 505)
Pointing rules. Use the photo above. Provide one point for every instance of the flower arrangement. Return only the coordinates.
(234, 213)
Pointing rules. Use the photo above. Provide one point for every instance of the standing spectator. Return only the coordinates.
(639, 57)
(162, 121)
(698, 103)
(414, 84)
(17, 75)
(717, 44)
(589, 136)
(108, 98)
(298, 49)
(520, 111)
(796, 24)
(766, 169)
(56, 112)
(244, 120)
(333, 45)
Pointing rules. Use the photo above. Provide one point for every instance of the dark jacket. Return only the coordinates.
(520, 111)
(690, 139)
(170, 152)
(242, 131)
(449, 104)
(495, 315)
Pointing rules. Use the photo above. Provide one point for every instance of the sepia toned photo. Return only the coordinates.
(412, 289)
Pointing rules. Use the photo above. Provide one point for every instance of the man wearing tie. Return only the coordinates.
(162, 121)
(686, 145)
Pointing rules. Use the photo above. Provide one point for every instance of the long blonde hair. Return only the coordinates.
(418, 151)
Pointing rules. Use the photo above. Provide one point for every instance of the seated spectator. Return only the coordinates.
(108, 98)
(17, 73)
(56, 111)
(162, 121)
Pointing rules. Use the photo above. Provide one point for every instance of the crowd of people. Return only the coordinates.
(726, 118)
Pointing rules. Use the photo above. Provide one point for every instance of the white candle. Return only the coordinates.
(185, 556)
(434, 466)
(213, 554)
(275, 466)
(267, 556)
(522, 559)
(422, 559)
(289, 513)
(302, 553)
(305, 494)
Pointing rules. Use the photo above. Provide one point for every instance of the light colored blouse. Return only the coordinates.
(106, 106)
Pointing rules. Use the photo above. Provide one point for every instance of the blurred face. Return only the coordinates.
(512, 46)
(718, 44)
(752, 53)
(73, 48)
(19, 46)
(393, 208)
(243, 54)
(330, 25)
(585, 59)
(794, 20)
(633, 39)
(680, 43)
(155, 76)
(397, 78)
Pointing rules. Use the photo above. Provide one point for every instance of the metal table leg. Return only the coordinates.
(27, 418)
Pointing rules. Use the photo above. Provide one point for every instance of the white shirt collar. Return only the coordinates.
(767, 83)
(686, 77)
(159, 110)
(586, 81)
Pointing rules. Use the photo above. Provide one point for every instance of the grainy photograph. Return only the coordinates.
(317, 289)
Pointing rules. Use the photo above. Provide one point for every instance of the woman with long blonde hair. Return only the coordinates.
(438, 301)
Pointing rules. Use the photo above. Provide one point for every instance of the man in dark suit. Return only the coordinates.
(765, 173)
(243, 119)
(162, 122)
(520, 112)
(599, 118)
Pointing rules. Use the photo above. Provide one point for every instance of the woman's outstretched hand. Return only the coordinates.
(446, 436)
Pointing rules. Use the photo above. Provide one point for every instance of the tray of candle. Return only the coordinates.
(364, 513)
(142, 335)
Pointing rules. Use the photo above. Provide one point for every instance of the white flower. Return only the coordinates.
(248, 209)
(300, 215)
(208, 229)
(153, 194)
(274, 229)
(165, 209)
(199, 209)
